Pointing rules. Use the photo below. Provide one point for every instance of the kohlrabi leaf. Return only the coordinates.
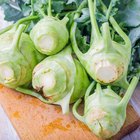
(77, 2)
(82, 41)
(134, 35)
(130, 14)
(84, 16)
(12, 12)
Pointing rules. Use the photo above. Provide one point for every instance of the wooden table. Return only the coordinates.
(34, 120)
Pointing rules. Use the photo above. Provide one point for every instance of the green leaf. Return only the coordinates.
(77, 2)
(11, 13)
(58, 6)
(82, 41)
(134, 35)
(3, 1)
(130, 15)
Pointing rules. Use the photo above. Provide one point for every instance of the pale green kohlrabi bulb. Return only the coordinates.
(106, 61)
(18, 56)
(50, 35)
(60, 78)
(105, 111)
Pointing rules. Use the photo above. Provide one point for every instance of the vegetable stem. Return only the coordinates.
(6, 29)
(74, 43)
(25, 20)
(50, 8)
(17, 36)
(74, 110)
(32, 7)
(106, 36)
(93, 20)
(41, 12)
(129, 92)
(109, 10)
(31, 93)
(89, 89)
(120, 32)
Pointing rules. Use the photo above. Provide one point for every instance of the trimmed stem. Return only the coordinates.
(17, 36)
(120, 32)
(50, 8)
(6, 29)
(129, 92)
(106, 36)
(89, 89)
(94, 24)
(74, 110)
(32, 93)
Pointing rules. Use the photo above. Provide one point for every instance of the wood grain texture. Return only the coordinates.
(35, 120)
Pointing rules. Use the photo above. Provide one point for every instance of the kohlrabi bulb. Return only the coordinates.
(18, 57)
(106, 61)
(105, 111)
(60, 78)
(50, 35)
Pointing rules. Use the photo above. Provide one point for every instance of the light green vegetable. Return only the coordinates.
(60, 78)
(106, 61)
(105, 111)
(50, 35)
(18, 56)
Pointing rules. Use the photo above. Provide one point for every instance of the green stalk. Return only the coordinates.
(89, 89)
(50, 8)
(73, 31)
(25, 20)
(95, 28)
(74, 110)
(6, 29)
(32, 7)
(32, 93)
(106, 36)
(17, 36)
(79, 54)
(41, 12)
(120, 32)
(99, 89)
(129, 92)
(109, 10)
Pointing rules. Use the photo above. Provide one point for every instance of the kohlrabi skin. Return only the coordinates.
(60, 78)
(18, 56)
(106, 61)
(105, 111)
(50, 35)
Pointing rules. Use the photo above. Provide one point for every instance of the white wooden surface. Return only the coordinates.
(7, 131)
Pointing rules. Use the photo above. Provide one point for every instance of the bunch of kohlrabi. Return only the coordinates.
(106, 61)
(60, 78)
(18, 56)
